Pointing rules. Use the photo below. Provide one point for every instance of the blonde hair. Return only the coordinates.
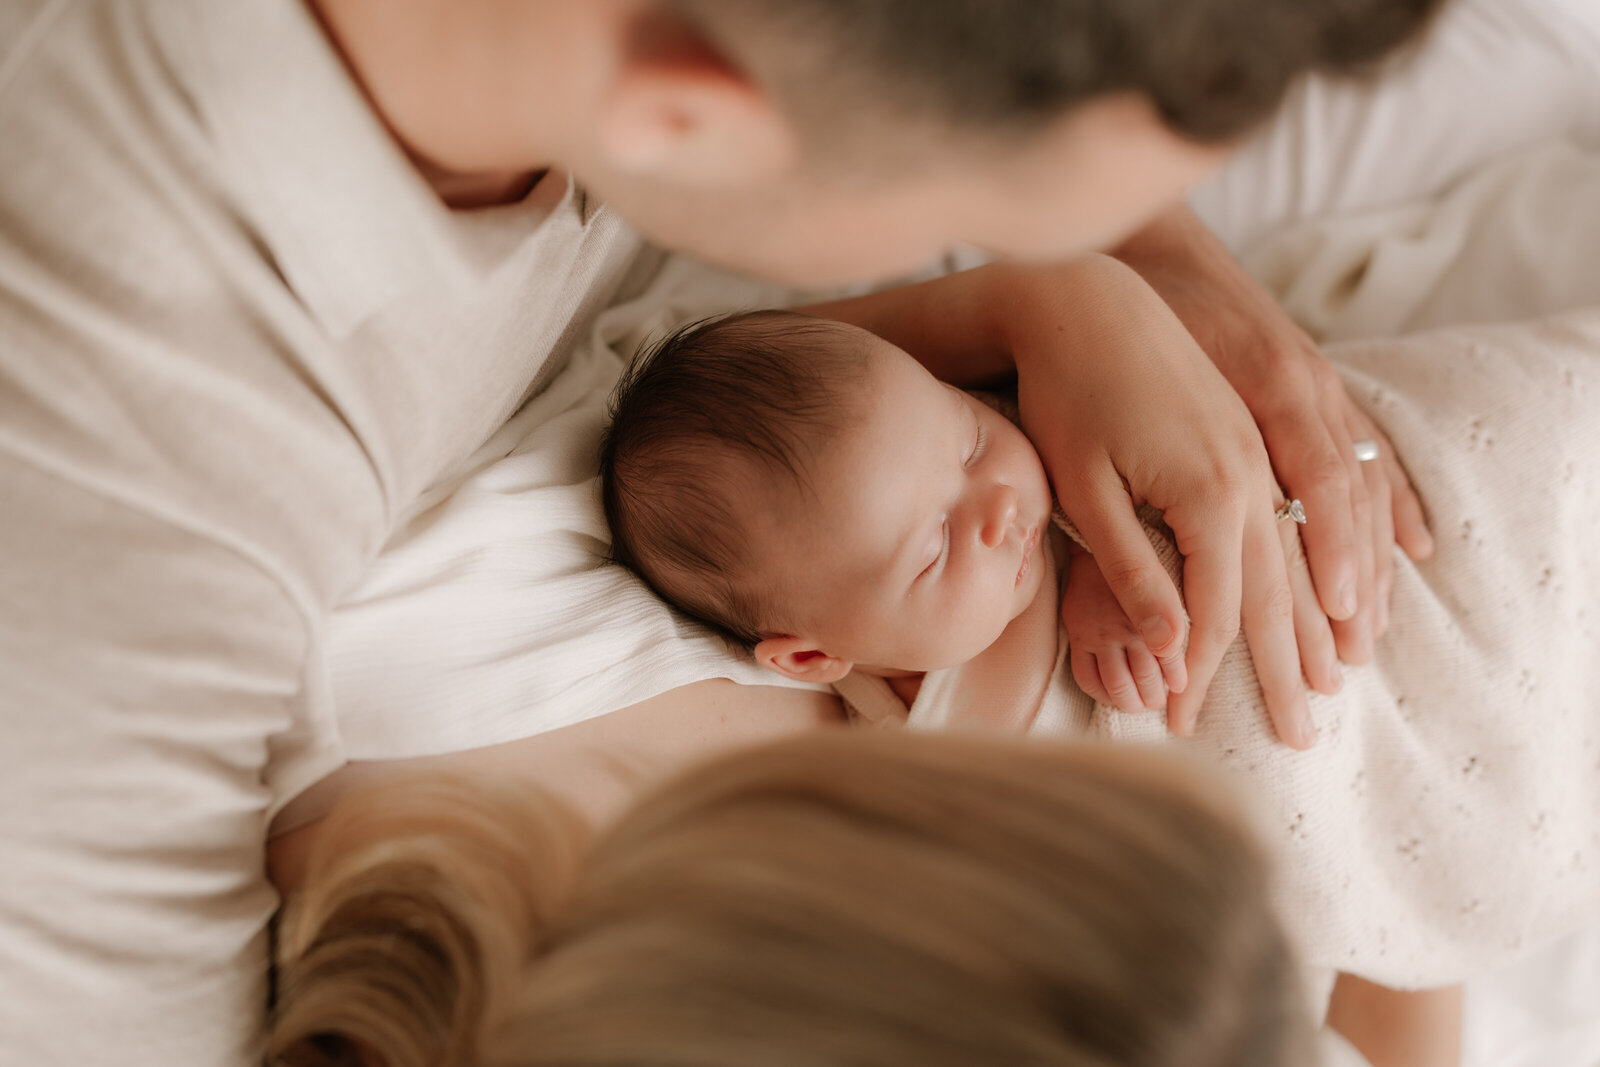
(838, 899)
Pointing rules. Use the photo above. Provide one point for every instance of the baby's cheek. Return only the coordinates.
(955, 639)
(989, 623)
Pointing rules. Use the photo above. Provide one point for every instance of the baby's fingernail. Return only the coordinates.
(1157, 633)
(1335, 677)
(1347, 599)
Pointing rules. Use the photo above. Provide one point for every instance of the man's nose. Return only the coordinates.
(999, 512)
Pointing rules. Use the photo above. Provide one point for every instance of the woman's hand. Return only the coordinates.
(1356, 511)
(1126, 409)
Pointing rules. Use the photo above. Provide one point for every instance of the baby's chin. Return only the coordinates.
(935, 652)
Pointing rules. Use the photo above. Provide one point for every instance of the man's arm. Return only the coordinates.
(144, 672)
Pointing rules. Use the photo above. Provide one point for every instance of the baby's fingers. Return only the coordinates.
(1087, 674)
(1117, 680)
(1104, 514)
(1147, 676)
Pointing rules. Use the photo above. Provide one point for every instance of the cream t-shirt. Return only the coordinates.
(239, 337)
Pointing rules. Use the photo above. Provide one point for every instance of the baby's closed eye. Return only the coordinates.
(978, 441)
(940, 550)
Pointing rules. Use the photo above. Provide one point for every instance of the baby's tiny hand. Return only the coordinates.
(1110, 661)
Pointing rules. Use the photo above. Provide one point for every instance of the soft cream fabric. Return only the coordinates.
(492, 614)
(1518, 238)
(1492, 77)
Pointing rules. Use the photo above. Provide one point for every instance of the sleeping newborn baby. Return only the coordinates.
(814, 493)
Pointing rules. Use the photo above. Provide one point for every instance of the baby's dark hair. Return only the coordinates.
(700, 412)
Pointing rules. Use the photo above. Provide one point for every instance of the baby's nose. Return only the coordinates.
(999, 513)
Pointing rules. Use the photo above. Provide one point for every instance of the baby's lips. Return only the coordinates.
(1029, 543)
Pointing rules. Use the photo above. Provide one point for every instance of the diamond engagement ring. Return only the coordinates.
(1292, 510)
(1365, 450)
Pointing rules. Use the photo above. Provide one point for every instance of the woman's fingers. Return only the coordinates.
(1213, 582)
(1408, 522)
(1310, 461)
(1383, 540)
(1269, 627)
(1397, 513)
(1319, 657)
(1411, 531)
(1316, 462)
(1266, 610)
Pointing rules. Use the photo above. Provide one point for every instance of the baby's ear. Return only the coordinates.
(797, 658)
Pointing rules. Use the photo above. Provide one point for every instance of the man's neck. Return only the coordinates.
(486, 189)
(458, 86)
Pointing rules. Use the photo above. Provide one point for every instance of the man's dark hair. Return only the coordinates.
(1212, 68)
(699, 414)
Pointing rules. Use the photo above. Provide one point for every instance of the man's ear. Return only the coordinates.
(802, 660)
(677, 109)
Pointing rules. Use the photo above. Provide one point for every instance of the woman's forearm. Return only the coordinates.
(594, 768)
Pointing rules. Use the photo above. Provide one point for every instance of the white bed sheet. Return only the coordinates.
(1543, 1011)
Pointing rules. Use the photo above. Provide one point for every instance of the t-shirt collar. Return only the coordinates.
(351, 225)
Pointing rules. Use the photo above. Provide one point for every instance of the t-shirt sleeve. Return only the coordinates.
(146, 673)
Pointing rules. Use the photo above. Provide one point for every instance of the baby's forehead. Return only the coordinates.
(771, 495)
(793, 481)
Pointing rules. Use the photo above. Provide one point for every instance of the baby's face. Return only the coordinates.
(924, 535)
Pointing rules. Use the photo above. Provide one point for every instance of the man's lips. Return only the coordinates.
(1029, 543)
